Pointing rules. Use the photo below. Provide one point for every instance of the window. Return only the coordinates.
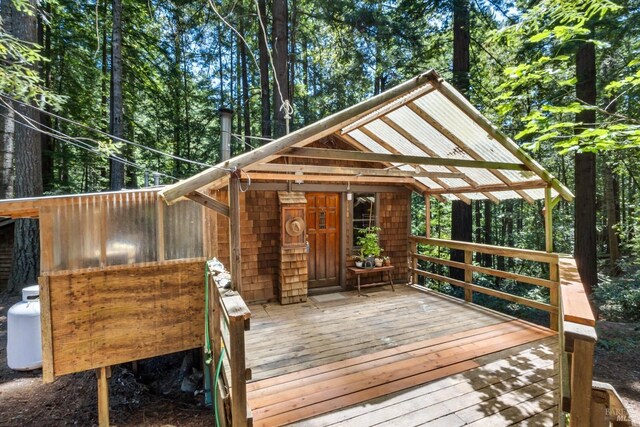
(364, 213)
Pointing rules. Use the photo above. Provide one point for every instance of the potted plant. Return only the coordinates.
(386, 260)
(358, 260)
(369, 245)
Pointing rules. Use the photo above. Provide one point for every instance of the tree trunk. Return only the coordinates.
(585, 172)
(280, 59)
(246, 117)
(265, 99)
(460, 211)
(25, 267)
(610, 193)
(48, 145)
(8, 126)
(116, 178)
(292, 53)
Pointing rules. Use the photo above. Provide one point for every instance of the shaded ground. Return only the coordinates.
(617, 356)
(152, 398)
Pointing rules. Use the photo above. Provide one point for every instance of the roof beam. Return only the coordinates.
(460, 144)
(339, 170)
(450, 93)
(331, 178)
(320, 129)
(209, 202)
(356, 156)
(527, 185)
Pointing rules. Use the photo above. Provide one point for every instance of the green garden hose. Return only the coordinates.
(215, 387)
(207, 351)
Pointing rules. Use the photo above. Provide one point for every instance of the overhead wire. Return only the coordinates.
(87, 147)
(75, 141)
(113, 137)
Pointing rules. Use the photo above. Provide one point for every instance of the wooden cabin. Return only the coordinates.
(123, 278)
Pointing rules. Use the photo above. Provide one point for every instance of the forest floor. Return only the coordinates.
(145, 400)
(617, 356)
(153, 398)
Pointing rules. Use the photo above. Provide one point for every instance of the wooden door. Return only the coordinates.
(323, 229)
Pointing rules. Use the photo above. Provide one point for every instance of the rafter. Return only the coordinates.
(418, 144)
(460, 144)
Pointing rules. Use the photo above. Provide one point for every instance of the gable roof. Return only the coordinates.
(423, 130)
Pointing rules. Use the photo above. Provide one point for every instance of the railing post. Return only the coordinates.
(468, 275)
(554, 295)
(238, 372)
(580, 340)
(414, 263)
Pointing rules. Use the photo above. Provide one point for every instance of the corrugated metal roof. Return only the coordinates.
(431, 125)
(421, 127)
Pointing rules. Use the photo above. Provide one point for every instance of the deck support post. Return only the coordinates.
(468, 275)
(581, 340)
(103, 396)
(553, 267)
(239, 372)
(234, 232)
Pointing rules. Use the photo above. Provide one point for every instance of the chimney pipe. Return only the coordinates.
(156, 178)
(146, 178)
(226, 115)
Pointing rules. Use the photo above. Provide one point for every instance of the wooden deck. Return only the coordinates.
(405, 358)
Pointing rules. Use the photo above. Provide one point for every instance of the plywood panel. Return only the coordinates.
(102, 317)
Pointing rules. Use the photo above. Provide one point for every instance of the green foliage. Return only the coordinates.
(550, 31)
(19, 77)
(369, 242)
(618, 298)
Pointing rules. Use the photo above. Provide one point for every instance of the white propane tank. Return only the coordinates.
(24, 351)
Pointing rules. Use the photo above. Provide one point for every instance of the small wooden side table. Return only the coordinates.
(360, 271)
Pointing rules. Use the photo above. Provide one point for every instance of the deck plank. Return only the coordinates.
(403, 358)
(516, 361)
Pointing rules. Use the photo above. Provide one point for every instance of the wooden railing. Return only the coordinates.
(589, 403)
(469, 268)
(229, 318)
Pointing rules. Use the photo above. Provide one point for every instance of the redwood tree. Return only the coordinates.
(460, 211)
(585, 171)
(25, 267)
(116, 178)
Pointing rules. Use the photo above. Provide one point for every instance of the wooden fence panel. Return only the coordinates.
(102, 317)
